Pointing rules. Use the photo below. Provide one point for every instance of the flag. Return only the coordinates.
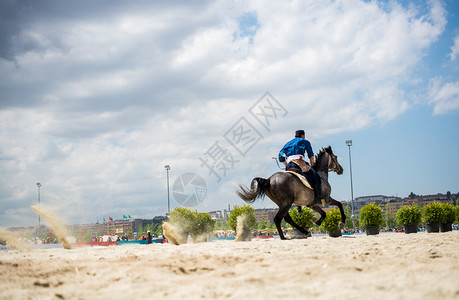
(124, 217)
(130, 217)
(110, 218)
(104, 220)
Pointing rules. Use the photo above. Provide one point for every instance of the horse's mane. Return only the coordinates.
(320, 156)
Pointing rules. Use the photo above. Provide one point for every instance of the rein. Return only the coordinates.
(329, 170)
(275, 158)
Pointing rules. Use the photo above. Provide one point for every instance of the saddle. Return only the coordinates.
(302, 164)
(300, 177)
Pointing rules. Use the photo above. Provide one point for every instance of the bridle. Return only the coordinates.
(334, 162)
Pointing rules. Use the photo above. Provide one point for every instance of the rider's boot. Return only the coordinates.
(317, 193)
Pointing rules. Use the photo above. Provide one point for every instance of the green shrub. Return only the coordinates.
(456, 209)
(332, 220)
(204, 224)
(431, 213)
(192, 222)
(237, 211)
(183, 217)
(303, 219)
(409, 215)
(371, 215)
(447, 215)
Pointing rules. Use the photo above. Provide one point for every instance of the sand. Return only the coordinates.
(55, 224)
(243, 231)
(14, 241)
(386, 266)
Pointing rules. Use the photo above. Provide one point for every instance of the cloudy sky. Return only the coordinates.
(97, 97)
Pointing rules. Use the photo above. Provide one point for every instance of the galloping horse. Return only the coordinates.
(285, 189)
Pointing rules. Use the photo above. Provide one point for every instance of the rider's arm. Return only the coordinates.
(282, 156)
(310, 152)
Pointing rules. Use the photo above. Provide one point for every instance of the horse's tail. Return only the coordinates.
(258, 189)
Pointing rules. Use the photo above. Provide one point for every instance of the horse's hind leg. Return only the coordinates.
(322, 214)
(289, 220)
(332, 201)
(278, 220)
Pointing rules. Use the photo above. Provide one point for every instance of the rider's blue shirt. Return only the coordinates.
(294, 147)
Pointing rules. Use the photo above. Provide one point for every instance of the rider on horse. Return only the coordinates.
(292, 156)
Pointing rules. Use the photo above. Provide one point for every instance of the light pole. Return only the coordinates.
(168, 202)
(349, 144)
(38, 186)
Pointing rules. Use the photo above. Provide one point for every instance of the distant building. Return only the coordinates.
(393, 203)
(392, 207)
(119, 226)
(219, 215)
(267, 214)
(159, 219)
(359, 202)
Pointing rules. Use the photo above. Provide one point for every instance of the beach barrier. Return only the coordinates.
(134, 242)
(116, 243)
(262, 237)
(92, 244)
(232, 238)
(153, 241)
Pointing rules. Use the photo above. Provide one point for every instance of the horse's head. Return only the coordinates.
(333, 163)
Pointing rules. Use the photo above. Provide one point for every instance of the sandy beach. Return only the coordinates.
(386, 266)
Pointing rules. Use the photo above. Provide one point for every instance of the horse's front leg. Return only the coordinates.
(332, 201)
(321, 212)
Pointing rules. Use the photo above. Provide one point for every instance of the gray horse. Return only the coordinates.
(285, 189)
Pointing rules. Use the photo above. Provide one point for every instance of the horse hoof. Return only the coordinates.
(341, 225)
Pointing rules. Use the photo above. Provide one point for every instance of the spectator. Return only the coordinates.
(148, 237)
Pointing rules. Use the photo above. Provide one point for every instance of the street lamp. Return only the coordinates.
(38, 186)
(349, 144)
(168, 202)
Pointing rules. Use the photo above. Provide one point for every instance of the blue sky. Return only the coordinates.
(96, 98)
(412, 153)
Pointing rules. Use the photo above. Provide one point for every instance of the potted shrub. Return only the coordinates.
(409, 217)
(331, 223)
(303, 220)
(431, 215)
(447, 217)
(371, 218)
(242, 220)
(184, 222)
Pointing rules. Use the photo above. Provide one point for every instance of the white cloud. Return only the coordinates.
(100, 104)
(444, 97)
(454, 49)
